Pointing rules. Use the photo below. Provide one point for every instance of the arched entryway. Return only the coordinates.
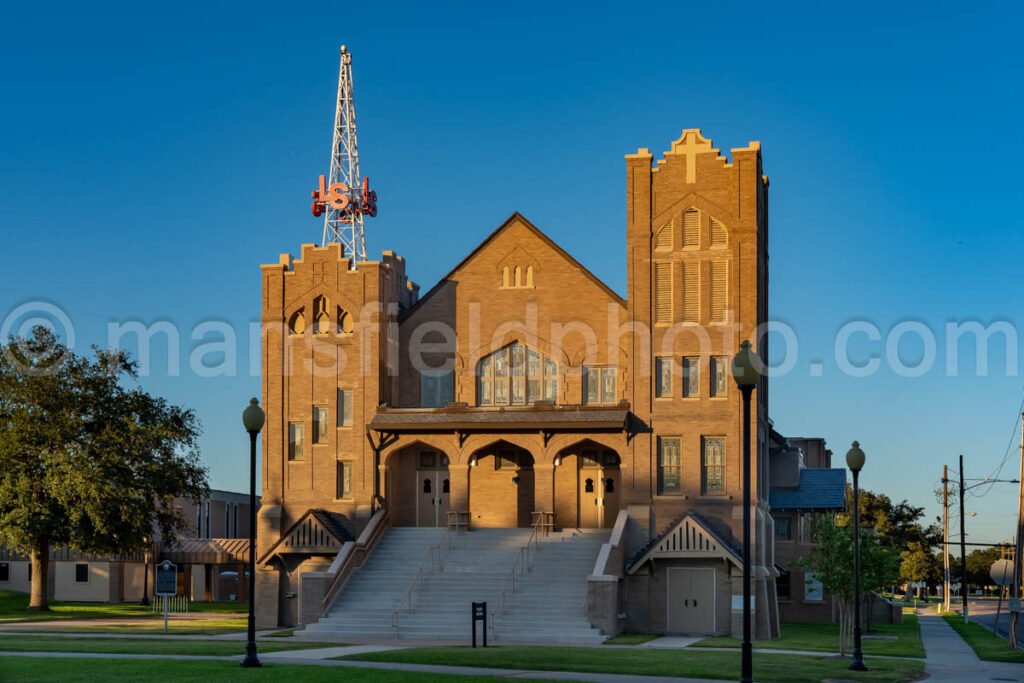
(418, 486)
(501, 486)
(587, 486)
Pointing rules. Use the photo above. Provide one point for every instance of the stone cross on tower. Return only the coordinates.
(690, 145)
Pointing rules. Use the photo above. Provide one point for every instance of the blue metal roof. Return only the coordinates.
(820, 489)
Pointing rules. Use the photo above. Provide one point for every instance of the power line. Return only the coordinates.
(1009, 450)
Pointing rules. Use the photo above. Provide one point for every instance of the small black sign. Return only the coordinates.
(479, 614)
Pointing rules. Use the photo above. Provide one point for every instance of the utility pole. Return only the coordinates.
(1018, 564)
(945, 538)
(963, 543)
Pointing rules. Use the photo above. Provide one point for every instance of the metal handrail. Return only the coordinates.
(525, 565)
(418, 580)
(441, 545)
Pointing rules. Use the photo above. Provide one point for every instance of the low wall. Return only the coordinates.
(604, 585)
(317, 589)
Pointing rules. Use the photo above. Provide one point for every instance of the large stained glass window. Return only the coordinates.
(515, 375)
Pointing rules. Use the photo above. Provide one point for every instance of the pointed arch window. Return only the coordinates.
(297, 323)
(663, 238)
(345, 324)
(719, 235)
(516, 375)
(321, 318)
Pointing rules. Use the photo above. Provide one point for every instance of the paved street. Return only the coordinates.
(984, 613)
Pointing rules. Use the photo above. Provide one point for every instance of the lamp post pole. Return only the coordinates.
(746, 373)
(855, 461)
(145, 574)
(253, 418)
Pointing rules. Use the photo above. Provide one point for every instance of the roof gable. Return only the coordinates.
(689, 538)
(516, 219)
(318, 532)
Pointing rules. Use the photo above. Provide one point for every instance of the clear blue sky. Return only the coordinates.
(152, 160)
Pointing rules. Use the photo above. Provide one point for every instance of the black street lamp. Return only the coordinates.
(746, 370)
(253, 418)
(855, 461)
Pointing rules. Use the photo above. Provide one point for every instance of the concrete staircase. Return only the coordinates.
(547, 606)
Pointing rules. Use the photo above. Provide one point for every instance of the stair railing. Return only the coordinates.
(435, 555)
(523, 564)
(444, 546)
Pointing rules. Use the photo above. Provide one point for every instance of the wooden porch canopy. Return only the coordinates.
(547, 419)
(207, 551)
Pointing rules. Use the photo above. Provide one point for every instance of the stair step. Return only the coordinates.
(547, 605)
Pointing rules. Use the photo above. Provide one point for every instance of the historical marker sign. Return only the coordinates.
(167, 579)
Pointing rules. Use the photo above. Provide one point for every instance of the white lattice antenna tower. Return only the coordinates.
(344, 198)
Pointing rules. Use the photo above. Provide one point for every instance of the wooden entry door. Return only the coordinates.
(590, 499)
(599, 498)
(432, 497)
(691, 600)
(609, 497)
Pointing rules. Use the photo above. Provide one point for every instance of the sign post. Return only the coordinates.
(1001, 572)
(166, 584)
(479, 614)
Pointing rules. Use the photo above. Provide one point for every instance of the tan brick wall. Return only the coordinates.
(562, 312)
(495, 499)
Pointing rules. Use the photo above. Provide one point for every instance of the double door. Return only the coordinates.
(691, 600)
(432, 497)
(599, 497)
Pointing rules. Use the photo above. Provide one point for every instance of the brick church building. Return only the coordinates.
(521, 391)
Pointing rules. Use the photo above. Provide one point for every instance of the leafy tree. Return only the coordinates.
(879, 569)
(87, 459)
(832, 562)
(898, 524)
(918, 563)
(979, 564)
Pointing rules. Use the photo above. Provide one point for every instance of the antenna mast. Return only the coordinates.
(345, 197)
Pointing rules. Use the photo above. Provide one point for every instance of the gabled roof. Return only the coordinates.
(514, 218)
(820, 488)
(689, 538)
(318, 532)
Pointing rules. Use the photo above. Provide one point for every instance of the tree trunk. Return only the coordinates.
(869, 611)
(843, 618)
(40, 561)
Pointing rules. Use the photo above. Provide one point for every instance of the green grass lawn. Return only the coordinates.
(630, 639)
(644, 661)
(38, 670)
(196, 627)
(825, 638)
(212, 648)
(985, 644)
(14, 608)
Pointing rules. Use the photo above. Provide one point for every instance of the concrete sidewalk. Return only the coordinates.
(509, 673)
(283, 658)
(949, 659)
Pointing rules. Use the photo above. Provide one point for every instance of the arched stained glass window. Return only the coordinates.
(516, 375)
